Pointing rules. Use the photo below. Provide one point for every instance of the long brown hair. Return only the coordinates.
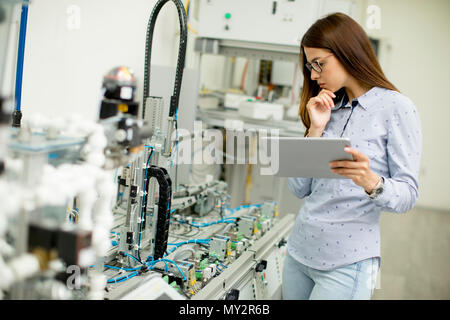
(347, 40)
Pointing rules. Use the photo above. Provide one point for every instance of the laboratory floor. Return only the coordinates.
(415, 256)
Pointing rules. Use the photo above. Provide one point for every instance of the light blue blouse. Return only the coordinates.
(338, 223)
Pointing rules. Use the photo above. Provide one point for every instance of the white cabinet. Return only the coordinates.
(280, 22)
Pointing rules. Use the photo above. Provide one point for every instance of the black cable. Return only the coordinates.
(354, 104)
(131, 256)
(174, 99)
(144, 204)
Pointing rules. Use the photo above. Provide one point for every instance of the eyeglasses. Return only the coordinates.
(316, 65)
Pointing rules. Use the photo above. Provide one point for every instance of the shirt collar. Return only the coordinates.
(364, 101)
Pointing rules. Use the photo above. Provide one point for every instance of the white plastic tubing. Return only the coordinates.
(93, 185)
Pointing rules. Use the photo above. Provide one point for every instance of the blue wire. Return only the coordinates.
(123, 278)
(200, 241)
(119, 268)
(244, 207)
(176, 265)
(190, 241)
(129, 255)
(21, 55)
(150, 265)
(207, 224)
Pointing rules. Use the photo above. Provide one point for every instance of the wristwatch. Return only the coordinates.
(377, 190)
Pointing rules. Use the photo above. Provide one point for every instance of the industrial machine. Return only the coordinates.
(89, 209)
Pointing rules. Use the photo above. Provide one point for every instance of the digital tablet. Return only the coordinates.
(307, 157)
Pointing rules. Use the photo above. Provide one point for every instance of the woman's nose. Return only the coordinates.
(314, 75)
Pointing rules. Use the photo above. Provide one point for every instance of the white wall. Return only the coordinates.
(64, 66)
(418, 64)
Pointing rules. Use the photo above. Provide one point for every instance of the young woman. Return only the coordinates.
(334, 246)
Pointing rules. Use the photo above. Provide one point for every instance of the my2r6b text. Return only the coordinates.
(246, 309)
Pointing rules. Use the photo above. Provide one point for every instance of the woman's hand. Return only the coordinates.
(358, 170)
(319, 110)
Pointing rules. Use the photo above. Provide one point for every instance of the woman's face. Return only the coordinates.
(333, 76)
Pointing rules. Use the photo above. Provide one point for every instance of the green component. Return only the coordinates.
(240, 236)
(203, 264)
(259, 226)
(212, 254)
(227, 15)
(166, 279)
(198, 275)
(233, 245)
(175, 286)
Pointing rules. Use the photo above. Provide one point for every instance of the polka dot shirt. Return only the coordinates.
(338, 223)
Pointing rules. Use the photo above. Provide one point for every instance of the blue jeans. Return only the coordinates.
(355, 281)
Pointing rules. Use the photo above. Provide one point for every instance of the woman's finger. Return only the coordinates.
(329, 92)
(357, 155)
(325, 102)
(347, 172)
(329, 96)
(314, 102)
(345, 164)
(330, 100)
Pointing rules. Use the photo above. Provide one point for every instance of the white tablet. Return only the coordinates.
(307, 157)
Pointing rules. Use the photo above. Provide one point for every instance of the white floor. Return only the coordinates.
(415, 251)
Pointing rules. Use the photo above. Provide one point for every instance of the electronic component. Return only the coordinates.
(265, 226)
(119, 86)
(49, 243)
(220, 247)
(233, 294)
(188, 270)
(118, 115)
(247, 226)
(261, 266)
(209, 272)
(269, 209)
(239, 248)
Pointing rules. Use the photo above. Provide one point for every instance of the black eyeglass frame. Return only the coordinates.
(316, 65)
